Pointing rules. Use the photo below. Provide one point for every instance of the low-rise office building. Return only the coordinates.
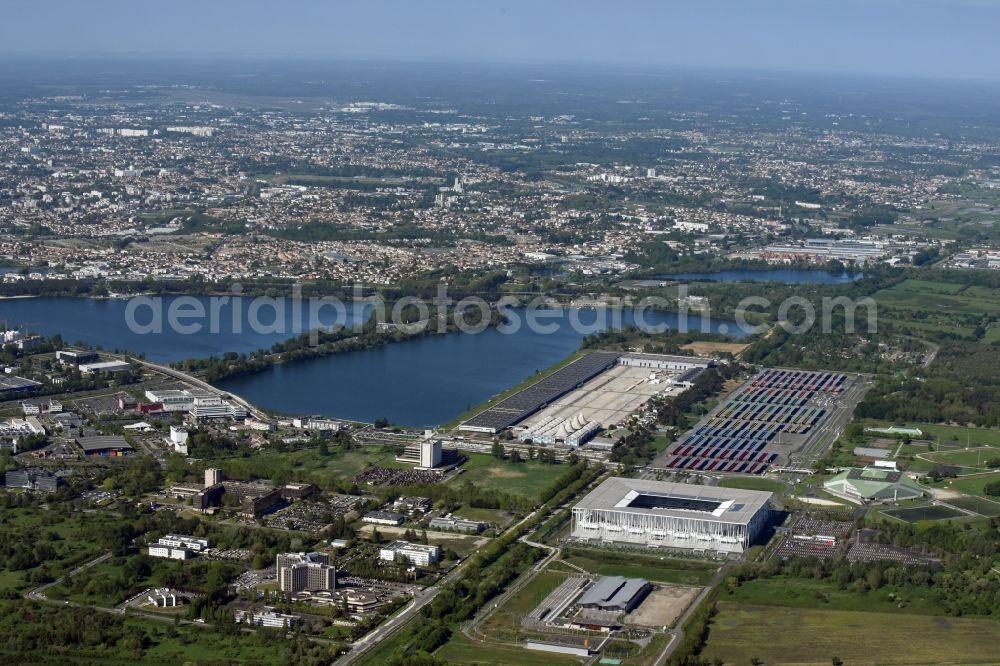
(384, 518)
(414, 553)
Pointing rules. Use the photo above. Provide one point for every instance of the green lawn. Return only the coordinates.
(504, 624)
(657, 568)
(306, 465)
(972, 436)
(528, 478)
(810, 593)
(494, 516)
(974, 485)
(801, 636)
(461, 650)
(751, 483)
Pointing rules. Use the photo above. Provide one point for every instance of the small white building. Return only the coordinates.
(266, 617)
(179, 439)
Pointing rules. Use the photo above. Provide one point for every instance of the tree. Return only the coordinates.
(854, 431)
(498, 451)
(515, 456)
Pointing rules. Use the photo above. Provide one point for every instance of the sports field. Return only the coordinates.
(974, 485)
(980, 505)
(753, 483)
(927, 512)
(799, 636)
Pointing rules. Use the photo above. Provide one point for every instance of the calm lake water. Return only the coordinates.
(784, 275)
(421, 382)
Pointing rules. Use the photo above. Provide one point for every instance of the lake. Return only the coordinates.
(422, 382)
(783, 275)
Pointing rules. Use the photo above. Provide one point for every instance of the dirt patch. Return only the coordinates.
(705, 348)
(663, 606)
(506, 473)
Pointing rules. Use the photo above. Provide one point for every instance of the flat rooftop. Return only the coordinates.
(679, 500)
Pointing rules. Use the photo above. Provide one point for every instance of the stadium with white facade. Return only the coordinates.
(657, 514)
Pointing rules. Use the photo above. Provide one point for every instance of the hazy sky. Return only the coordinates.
(936, 38)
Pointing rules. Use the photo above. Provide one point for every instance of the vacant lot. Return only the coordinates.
(528, 478)
(663, 606)
(741, 632)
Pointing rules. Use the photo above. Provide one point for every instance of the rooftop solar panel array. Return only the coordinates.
(735, 438)
(522, 404)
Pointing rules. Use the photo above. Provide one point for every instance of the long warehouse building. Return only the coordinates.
(658, 514)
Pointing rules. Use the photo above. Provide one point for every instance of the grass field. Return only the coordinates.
(504, 624)
(792, 592)
(461, 650)
(306, 465)
(749, 483)
(972, 459)
(974, 485)
(661, 569)
(492, 516)
(929, 307)
(799, 636)
(970, 436)
(528, 478)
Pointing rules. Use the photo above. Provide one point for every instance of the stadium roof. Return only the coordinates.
(679, 500)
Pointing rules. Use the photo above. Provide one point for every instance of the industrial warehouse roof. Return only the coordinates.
(612, 592)
(678, 500)
(529, 400)
(102, 443)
